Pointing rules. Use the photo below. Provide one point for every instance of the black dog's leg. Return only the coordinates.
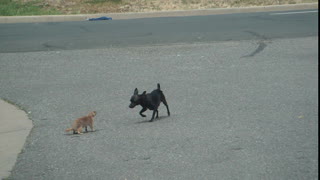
(143, 110)
(157, 114)
(154, 112)
(163, 99)
(86, 129)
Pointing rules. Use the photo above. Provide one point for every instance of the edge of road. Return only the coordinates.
(117, 16)
(15, 128)
(16, 125)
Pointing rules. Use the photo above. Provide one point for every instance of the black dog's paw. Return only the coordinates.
(143, 115)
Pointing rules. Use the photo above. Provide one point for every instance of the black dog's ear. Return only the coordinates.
(144, 92)
(135, 92)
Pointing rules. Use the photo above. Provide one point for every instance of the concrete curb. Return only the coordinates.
(14, 129)
(115, 16)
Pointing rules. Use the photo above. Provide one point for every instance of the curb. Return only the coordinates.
(117, 16)
(14, 129)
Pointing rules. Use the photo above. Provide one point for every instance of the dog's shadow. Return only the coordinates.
(84, 132)
(154, 120)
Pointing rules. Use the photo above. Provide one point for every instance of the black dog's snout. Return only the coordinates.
(131, 106)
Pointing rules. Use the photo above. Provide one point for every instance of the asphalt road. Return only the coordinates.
(242, 90)
(150, 31)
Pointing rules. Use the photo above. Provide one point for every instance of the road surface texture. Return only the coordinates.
(242, 90)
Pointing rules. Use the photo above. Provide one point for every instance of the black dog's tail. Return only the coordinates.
(158, 86)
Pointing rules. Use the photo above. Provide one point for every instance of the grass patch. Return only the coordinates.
(104, 1)
(18, 8)
(54, 7)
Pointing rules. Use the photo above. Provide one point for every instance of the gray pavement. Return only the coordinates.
(233, 117)
(241, 109)
(60, 36)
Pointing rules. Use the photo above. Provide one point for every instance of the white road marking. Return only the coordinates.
(297, 12)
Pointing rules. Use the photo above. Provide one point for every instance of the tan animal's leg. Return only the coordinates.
(91, 127)
(79, 130)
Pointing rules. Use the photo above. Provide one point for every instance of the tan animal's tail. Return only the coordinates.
(70, 129)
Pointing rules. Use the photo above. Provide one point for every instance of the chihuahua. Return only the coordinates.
(149, 101)
(84, 121)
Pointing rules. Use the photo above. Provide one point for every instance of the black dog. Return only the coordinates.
(149, 101)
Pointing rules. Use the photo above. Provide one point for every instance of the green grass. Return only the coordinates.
(56, 7)
(18, 8)
(103, 1)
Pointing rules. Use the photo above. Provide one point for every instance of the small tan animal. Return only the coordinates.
(84, 121)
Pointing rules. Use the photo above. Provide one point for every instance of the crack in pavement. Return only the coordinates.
(260, 48)
(52, 47)
(261, 44)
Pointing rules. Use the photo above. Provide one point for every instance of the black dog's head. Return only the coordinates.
(136, 98)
